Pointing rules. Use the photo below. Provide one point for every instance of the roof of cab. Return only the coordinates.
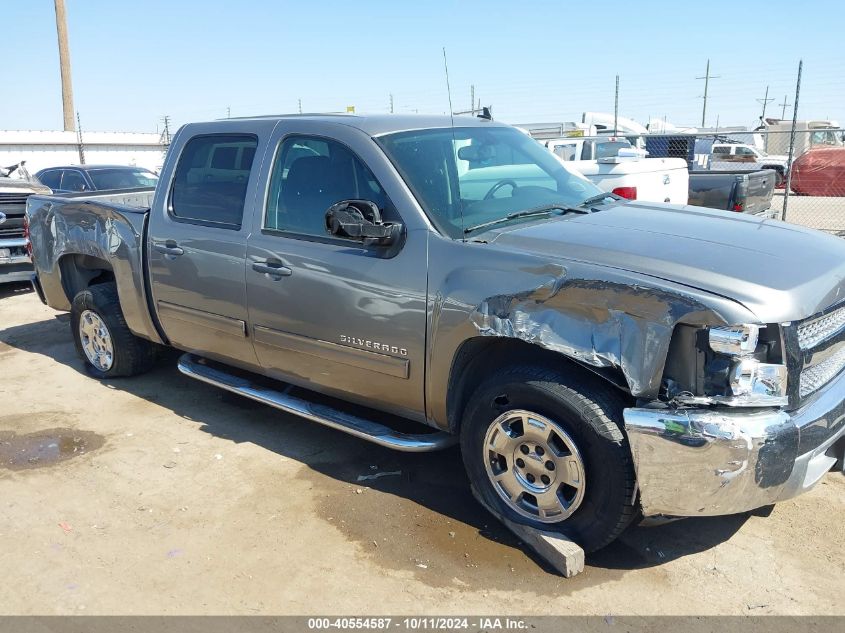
(95, 167)
(379, 124)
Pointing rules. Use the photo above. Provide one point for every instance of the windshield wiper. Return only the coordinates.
(598, 198)
(527, 213)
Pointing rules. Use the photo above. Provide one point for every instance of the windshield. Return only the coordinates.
(824, 137)
(470, 176)
(118, 178)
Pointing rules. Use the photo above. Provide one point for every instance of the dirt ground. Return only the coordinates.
(161, 495)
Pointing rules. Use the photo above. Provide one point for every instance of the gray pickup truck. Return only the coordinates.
(739, 191)
(417, 283)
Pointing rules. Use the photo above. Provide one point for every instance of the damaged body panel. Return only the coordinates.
(100, 233)
(597, 316)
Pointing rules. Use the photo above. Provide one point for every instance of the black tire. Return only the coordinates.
(590, 412)
(132, 355)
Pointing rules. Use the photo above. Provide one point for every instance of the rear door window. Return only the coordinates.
(51, 179)
(212, 174)
(73, 180)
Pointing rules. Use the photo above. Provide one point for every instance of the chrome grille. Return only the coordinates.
(816, 351)
(816, 376)
(17, 199)
(815, 331)
(13, 206)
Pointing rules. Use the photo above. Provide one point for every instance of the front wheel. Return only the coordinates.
(546, 449)
(103, 341)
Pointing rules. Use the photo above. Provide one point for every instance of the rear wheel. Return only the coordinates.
(103, 340)
(546, 449)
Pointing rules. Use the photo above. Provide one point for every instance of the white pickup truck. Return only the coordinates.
(741, 156)
(614, 165)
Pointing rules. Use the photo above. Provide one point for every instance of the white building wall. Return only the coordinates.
(42, 149)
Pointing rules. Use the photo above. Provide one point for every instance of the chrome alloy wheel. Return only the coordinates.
(534, 466)
(96, 340)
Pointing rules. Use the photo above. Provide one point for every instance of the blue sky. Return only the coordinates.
(134, 62)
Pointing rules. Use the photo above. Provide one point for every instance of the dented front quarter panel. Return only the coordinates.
(597, 315)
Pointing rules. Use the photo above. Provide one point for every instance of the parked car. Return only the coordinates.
(739, 156)
(596, 358)
(741, 191)
(76, 178)
(15, 264)
(616, 166)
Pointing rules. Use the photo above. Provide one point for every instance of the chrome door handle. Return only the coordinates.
(273, 269)
(168, 248)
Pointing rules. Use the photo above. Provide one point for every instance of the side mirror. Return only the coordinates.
(360, 220)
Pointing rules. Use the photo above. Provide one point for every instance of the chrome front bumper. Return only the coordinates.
(16, 266)
(704, 462)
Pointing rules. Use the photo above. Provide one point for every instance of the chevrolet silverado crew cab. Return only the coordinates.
(417, 283)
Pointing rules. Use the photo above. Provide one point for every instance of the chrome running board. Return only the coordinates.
(197, 367)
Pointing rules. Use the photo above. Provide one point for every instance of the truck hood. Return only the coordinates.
(779, 271)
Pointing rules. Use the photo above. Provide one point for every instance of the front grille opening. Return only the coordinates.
(818, 330)
(815, 377)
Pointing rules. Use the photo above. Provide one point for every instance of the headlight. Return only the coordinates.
(735, 341)
(753, 382)
(737, 366)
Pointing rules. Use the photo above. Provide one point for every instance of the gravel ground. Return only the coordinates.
(161, 495)
(816, 212)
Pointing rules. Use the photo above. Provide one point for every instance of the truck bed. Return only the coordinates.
(108, 227)
(732, 190)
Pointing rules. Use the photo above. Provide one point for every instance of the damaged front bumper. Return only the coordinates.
(705, 462)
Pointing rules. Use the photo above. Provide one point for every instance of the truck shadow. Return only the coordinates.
(15, 288)
(431, 489)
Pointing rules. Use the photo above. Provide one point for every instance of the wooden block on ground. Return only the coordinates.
(563, 554)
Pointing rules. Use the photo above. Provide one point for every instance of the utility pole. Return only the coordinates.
(64, 65)
(165, 134)
(792, 142)
(79, 140)
(784, 106)
(391, 103)
(707, 77)
(616, 109)
(765, 101)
